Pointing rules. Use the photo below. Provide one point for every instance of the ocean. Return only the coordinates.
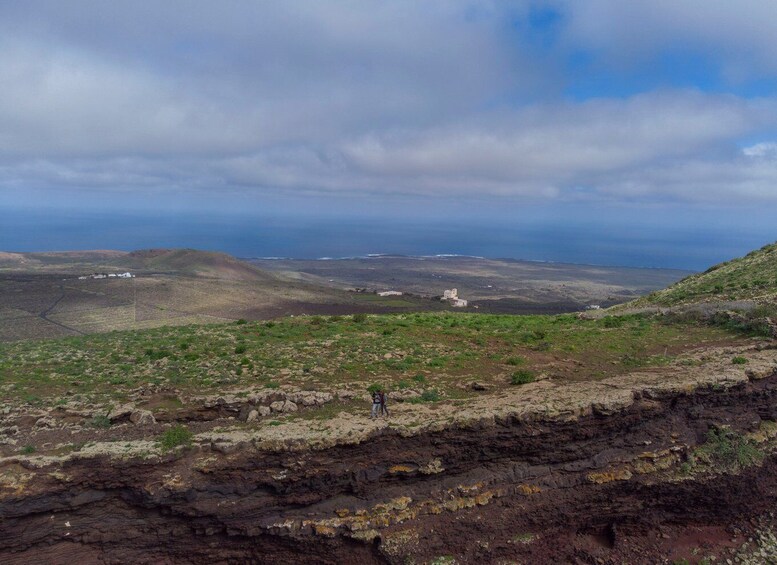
(286, 235)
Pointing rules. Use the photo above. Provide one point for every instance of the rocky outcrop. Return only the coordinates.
(602, 484)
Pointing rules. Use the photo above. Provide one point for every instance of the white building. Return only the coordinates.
(451, 294)
(390, 293)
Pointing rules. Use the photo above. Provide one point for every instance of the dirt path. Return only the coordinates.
(45, 313)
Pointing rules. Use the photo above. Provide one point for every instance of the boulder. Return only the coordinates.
(46, 422)
(252, 415)
(283, 406)
(264, 410)
(120, 413)
(346, 394)
(141, 417)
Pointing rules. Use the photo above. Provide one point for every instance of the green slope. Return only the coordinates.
(752, 277)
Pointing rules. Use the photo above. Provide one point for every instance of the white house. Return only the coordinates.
(390, 293)
(451, 294)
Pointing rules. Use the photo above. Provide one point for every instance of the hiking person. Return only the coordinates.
(383, 397)
(375, 404)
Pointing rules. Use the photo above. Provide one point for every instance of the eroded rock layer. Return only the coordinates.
(611, 485)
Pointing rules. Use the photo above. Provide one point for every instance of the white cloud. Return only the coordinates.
(761, 150)
(375, 97)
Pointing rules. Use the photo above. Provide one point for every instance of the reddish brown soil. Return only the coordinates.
(120, 512)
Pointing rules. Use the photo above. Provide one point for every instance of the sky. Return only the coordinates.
(648, 126)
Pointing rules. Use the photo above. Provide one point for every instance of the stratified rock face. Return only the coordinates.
(600, 486)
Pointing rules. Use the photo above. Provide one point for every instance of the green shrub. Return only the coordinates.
(100, 421)
(375, 387)
(240, 349)
(419, 378)
(522, 377)
(514, 361)
(28, 449)
(739, 360)
(157, 354)
(727, 450)
(175, 436)
(612, 322)
(241, 321)
(359, 318)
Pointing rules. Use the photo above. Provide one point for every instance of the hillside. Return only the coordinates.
(752, 277)
(45, 295)
(529, 439)
(192, 262)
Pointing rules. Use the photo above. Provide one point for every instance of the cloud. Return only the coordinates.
(740, 37)
(364, 98)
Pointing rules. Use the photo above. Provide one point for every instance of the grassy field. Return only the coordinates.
(436, 354)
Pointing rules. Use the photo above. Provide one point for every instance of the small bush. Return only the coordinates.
(100, 421)
(157, 354)
(522, 377)
(429, 395)
(272, 384)
(28, 449)
(612, 322)
(359, 318)
(175, 436)
(240, 349)
(375, 387)
(739, 360)
(419, 378)
(728, 450)
(241, 322)
(515, 361)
